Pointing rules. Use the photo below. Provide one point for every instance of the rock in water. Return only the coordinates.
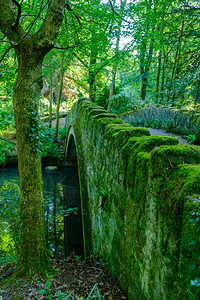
(51, 168)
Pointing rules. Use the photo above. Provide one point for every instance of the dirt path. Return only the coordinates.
(161, 132)
(61, 122)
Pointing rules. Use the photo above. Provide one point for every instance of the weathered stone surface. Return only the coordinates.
(179, 121)
(138, 201)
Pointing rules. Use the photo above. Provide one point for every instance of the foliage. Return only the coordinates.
(6, 113)
(102, 97)
(47, 145)
(47, 290)
(62, 133)
(10, 220)
(191, 138)
(122, 102)
(5, 150)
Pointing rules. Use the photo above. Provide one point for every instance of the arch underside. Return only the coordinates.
(73, 159)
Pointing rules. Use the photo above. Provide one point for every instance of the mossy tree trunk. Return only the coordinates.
(30, 50)
(26, 94)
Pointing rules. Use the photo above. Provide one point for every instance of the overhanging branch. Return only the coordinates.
(19, 11)
(5, 53)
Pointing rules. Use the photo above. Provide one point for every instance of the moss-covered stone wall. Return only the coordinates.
(179, 121)
(140, 201)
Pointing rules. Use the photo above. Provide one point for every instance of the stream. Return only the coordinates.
(62, 206)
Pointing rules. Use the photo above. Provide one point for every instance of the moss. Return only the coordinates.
(106, 121)
(119, 134)
(102, 115)
(167, 157)
(124, 135)
(116, 127)
(179, 238)
(143, 144)
(140, 224)
(138, 209)
(95, 112)
(180, 121)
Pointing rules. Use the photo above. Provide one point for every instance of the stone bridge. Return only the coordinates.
(140, 198)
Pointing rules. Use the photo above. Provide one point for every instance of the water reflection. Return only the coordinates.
(62, 207)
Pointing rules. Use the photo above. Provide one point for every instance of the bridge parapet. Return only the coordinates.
(179, 121)
(140, 202)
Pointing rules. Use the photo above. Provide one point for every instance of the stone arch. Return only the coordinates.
(71, 149)
(73, 157)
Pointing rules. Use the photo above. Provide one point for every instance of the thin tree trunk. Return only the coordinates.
(144, 68)
(163, 78)
(114, 70)
(160, 55)
(59, 96)
(92, 83)
(158, 75)
(175, 69)
(51, 95)
(93, 60)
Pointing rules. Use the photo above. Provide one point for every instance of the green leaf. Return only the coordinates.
(42, 291)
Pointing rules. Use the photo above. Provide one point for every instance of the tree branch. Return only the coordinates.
(64, 48)
(82, 61)
(5, 53)
(68, 7)
(49, 30)
(4, 41)
(8, 19)
(19, 11)
(31, 24)
(113, 10)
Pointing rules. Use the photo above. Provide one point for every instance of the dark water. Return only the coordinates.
(62, 206)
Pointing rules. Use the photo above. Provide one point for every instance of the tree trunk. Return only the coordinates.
(144, 67)
(33, 254)
(51, 95)
(114, 70)
(30, 50)
(59, 96)
(92, 64)
(176, 66)
(160, 56)
(163, 78)
(92, 84)
(158, 76)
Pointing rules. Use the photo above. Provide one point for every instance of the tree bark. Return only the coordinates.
(30, 50)
(33, 253)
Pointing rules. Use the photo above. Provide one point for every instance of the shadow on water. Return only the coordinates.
(62, 206)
